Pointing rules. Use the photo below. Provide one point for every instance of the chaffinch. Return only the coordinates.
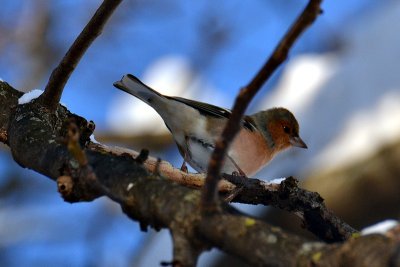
(196, 126)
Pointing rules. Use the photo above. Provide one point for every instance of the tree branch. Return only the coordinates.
(60, 75)
(309, 206)
(35, 137)
(280, 53)
(163, 168)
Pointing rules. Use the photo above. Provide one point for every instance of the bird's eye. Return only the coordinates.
(286, 129)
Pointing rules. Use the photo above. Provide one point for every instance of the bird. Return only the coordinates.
(196, 127)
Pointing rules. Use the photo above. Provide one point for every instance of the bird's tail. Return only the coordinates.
(137, 88)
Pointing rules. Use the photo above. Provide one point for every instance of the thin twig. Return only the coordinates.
(72, 141)
(60, 75)
(210, 192)
(73, 178)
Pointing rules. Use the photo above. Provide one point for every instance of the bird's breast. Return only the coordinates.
(250, 151)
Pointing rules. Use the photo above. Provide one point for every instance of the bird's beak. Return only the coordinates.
(296, 141)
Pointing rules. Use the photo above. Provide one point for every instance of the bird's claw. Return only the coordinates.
(184, 167)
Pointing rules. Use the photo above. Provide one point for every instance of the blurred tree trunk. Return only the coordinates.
(364, 192)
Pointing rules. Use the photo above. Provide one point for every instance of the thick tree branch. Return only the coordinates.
(60, 75)
(35, 137)
(286, 196)
(279, 55)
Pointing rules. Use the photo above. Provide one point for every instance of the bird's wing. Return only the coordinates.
(204, 108)
(214, 111)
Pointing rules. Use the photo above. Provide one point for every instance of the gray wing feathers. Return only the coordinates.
(205, 108)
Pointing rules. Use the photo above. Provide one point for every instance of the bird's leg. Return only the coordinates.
(185, 155)
(184, 167)
(239, 188)
(234, 193)
(238, 171)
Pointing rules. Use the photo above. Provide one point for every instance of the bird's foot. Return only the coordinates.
(234, 193)
(184, 167)
(239, 172)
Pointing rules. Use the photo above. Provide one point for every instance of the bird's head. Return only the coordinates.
(281, 128)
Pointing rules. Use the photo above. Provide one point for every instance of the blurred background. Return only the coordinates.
(342, 82)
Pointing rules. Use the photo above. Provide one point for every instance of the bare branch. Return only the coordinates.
(60, 75)
(34, 133)
(165, 169)
(280, 53)
(309, 206)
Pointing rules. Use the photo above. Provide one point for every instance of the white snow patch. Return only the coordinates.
(276, 181)
(364, 132)
(272, 239)
(29, 96)
(302, 80)
(379, 228)
(1, 80)
(129, 187)
(169, 75)
(93, 140)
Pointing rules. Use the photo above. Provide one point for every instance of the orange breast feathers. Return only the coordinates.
(250, 151)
